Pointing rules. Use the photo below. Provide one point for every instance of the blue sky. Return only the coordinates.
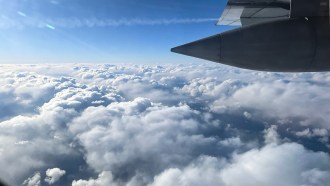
(103, 31)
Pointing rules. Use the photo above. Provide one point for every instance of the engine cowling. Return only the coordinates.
(299, 42)
(309, 8)
(289, 45)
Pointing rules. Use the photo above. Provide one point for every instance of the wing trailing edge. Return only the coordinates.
(247, 12)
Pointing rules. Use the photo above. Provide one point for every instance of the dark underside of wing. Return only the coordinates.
(272, 35)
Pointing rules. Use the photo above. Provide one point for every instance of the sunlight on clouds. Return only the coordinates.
(78, 124)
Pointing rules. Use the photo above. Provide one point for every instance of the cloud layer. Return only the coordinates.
(162, 125)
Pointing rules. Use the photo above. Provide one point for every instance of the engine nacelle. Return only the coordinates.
(309, 8)
(270, 39)
(290, 45)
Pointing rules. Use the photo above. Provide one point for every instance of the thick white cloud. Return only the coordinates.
(162, 125)
(281, 99)
(290, 162)
(287, 164)
(105, 178)
(140, 136)
(33, 181)
(53, 175)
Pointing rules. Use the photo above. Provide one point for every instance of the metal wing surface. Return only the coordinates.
(247, 12)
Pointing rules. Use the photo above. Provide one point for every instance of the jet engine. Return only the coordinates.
(281, 36)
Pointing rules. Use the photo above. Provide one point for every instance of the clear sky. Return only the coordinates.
(103, 31)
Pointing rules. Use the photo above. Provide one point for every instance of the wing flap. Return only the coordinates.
(247, 12)
(231, 16)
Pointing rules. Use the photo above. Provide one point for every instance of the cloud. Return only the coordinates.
(34, 180)
(105, 178)
(290, 162)
(53, 175)
(34, 22)
(281, 99)
(271, 135)
(162, 125)
(24, 92)
(140, 136)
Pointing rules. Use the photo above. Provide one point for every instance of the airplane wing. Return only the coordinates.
(274, 35)
(247, 12)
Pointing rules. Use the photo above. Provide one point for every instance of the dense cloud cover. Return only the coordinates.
(162, 125)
